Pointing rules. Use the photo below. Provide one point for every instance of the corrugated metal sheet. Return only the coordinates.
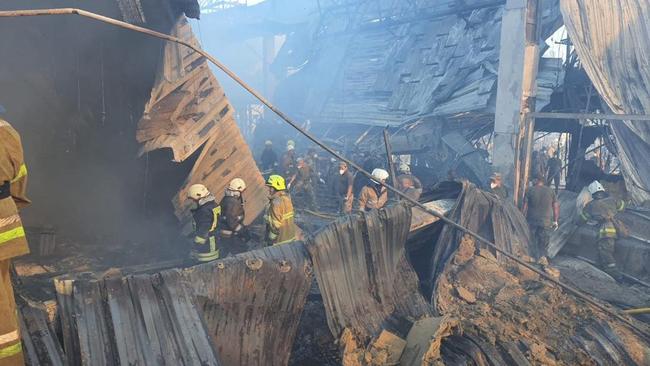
(189, 109)
(133, 320)
(393, 61)
(246, 309)
(486, 214)
(252, 303)
(363, 273)
(40, 343)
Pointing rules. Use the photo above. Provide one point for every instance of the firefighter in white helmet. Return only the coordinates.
(602, 211)
(233, 234)
(206, 219)
(374, 196)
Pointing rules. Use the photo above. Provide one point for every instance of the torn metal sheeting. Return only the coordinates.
(363, 273)
(252, 303)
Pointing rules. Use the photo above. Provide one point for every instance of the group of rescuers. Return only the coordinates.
(542, 210)
(226, 219)
(221, 224)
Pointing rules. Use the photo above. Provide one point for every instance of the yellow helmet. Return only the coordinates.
(277, 182)
(198, 191)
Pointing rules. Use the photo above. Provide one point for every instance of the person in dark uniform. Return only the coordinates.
(268, 159)
(554, 167)
(206, 218)
(542, 211)
(233, 234)
(342, 186)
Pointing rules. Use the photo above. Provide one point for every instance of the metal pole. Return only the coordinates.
(292, 123)
(389, 157)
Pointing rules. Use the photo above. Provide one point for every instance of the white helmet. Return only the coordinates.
(268, 142)
(291, 143)
(237, 184)
(198, 191)
(380, 174)
(595, 186)
(403, 167)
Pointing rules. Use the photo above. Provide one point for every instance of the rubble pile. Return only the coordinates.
(515, 318)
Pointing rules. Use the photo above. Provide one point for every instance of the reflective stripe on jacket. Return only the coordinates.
(279, 219)
(603, 211)
(13, 170)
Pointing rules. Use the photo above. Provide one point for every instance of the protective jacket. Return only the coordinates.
(232, 214)
(280, 226)
(13, 182)
(206, 219)
(604, 211)
(372, 197)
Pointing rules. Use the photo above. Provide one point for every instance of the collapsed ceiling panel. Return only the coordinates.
(188, 109)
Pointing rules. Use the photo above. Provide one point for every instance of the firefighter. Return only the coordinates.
(268, 159)
(496, 186)
(374, 196)
(289, 159)
(233, 234)
(602, 211)
(343, 183)
(280, 227)
(13, 243)
(408, 183)
(542, 212)
(302, 183)
(206, 219)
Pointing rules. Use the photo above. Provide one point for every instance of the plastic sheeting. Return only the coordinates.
(612, 39)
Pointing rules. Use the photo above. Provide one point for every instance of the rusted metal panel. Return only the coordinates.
(252, 303)
(363, 273)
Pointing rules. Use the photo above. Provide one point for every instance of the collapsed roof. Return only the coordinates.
(390, 62)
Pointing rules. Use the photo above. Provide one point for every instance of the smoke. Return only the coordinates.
(75, 90)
